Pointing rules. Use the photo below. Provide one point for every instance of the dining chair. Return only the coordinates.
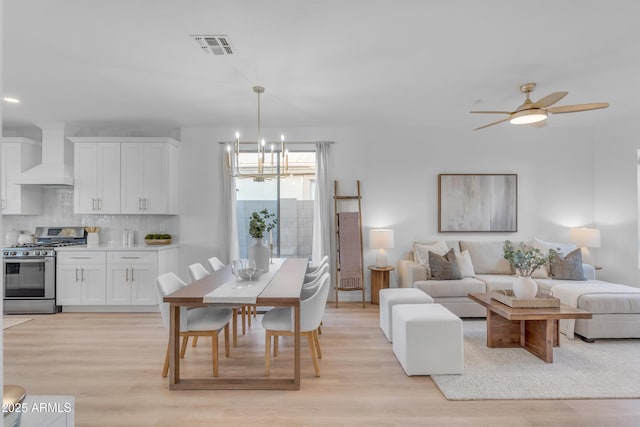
(199, 321)
(198, 271)
(314, 268)
(309, 278)
(279, 322)
(215, 263)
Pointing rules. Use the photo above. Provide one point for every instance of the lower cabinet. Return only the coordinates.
(81, 278)
(111, 277)
(131, 278)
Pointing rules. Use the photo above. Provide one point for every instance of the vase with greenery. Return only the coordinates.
(525, 260)
(260, 223)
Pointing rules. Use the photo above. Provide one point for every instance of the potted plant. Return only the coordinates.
(525, 260)
(261, 222)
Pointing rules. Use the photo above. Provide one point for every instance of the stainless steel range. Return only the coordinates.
(30, 270)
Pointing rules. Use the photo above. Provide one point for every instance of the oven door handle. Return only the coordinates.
(27, 260)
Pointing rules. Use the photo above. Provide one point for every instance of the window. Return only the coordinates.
(289, 193)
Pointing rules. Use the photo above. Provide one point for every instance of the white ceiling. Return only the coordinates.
(323, 63)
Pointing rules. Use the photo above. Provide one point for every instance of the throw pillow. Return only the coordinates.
(563, 248)
(421, 251)
(568, 267)
(464, 264)
(444, 267)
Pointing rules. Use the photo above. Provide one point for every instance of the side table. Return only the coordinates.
(379, 280)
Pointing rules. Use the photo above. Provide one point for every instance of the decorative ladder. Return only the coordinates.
(351, 277)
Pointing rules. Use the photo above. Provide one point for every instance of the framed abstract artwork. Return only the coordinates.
(477, 202)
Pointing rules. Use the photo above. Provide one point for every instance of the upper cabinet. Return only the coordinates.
(125, 175)
(148, 176)
(97, 178)
(16, 156)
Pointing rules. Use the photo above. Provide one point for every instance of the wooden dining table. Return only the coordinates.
(283, 290)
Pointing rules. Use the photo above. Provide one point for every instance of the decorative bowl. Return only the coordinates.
(244, 276)
(157, 241)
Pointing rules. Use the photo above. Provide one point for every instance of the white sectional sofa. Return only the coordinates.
(615, 308)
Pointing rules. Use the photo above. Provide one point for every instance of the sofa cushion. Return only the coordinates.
(450, 288)
(421, 251)
(487, 257)
(496, 281)
(610, 303)
(444, 267)
(568, 267)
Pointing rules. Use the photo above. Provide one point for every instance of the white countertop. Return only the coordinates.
(138, 247)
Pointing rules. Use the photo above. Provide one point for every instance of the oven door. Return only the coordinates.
(29, 278)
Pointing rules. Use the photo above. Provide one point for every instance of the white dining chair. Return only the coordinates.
(279, 322)
(308, 278)
(314, 268)
(215, 263)
(199, 321)
(198, 271)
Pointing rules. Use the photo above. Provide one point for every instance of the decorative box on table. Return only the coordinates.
(506, 296)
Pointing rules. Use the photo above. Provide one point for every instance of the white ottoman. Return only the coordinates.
(393, 296)
(427, 339)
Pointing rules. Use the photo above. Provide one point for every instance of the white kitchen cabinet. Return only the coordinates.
(131, 278)
(141, 172)
(148, 178)
(16, 156)
(96, 178)
(81, 278)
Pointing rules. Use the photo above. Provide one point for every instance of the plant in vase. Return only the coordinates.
(260, 223)
(525, 260)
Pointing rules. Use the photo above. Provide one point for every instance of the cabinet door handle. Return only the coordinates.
(146, 204)
(126, 274)
(132, 279)
(129, 257)
(80, 257)
(93, 203)
(100, 203)
(76, 275)
(139, 203)
(83, 278)
(4, 203)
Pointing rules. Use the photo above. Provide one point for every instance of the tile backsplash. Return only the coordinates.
(57, 210)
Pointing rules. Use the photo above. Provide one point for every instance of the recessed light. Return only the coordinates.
(11, 100)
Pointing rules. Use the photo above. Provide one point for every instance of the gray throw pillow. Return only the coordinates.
(569, 267)
(444, 267)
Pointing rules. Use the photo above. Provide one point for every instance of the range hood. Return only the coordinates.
(56, 168)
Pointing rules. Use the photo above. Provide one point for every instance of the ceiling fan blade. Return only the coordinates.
(548, 100)
(577, 107)
(490, 112)
(494, 123)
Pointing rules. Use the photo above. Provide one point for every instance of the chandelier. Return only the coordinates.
(261, 167)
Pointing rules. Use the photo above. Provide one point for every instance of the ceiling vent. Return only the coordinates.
(213, 44)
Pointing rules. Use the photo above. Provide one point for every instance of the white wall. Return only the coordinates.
(616, 200)
(398, 170)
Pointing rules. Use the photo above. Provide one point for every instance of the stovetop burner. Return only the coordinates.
(47, 239)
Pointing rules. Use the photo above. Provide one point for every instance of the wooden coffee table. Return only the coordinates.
(535, 329)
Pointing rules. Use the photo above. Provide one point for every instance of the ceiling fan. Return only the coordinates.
(535, 113)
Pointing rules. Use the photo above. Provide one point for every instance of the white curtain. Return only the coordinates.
(229, 192)
(321, 245)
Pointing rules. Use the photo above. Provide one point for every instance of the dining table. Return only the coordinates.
(281, 287)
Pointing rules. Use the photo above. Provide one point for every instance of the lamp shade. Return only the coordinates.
(381, 239)
(585, 237)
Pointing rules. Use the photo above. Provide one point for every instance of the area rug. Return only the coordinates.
(9, 321)
(605, 369)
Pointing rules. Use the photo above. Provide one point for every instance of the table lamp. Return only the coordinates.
(585, 238)
(381, 239)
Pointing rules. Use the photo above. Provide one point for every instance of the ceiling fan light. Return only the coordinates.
(526, 117)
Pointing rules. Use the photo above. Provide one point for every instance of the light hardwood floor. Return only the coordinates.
(112, 364)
